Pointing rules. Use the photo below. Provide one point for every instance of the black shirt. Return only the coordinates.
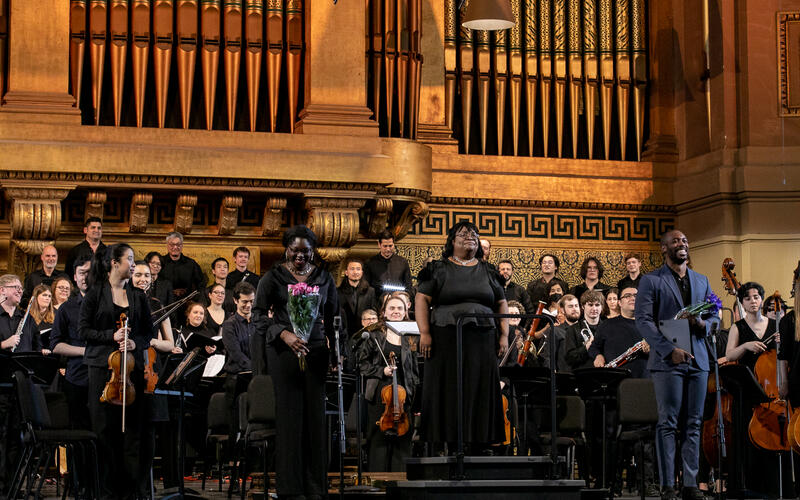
(184, 274)
(353, 300)
(537, 290)
(581, 288)
(236, 333)
(614, 337)
(516, 292)
(684, 287)
(66, 331)
(237, 276)
(790, 352)
(627, 282)
(575, 353)
(29, 339)
(81, 248)
(37, 278)
(379, 271)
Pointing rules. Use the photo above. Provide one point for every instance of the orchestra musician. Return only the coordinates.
(387, 451)
(578, 338)
(460, 282)
(748, 339)
(302, 441)
(789, 353)
(126, 457)
(679, 377)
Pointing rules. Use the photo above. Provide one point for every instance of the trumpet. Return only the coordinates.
(586, 332)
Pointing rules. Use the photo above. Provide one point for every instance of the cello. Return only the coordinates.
(119, 389)
(394, 420)
(732, 286)
(768, 428)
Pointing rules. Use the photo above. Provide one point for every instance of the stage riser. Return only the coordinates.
(509, 490)
(482, 468)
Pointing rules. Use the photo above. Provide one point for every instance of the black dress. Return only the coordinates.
(761, 466)
(302, 438)
(456, 289)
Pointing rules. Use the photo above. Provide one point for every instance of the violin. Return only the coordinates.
(732, 285)
(769, 424)
(119, 389)
(150, 375)
(526, 347)
(394, 420)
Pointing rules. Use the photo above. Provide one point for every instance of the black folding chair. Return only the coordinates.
(637, 411)
(259, 428)
(218, 434)
(41, 436)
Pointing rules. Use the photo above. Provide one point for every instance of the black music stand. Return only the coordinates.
(600, 384)
(747, 392)
(525, 380)
(180, 374)
(41, 368)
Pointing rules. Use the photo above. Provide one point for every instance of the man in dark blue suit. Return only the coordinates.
(679, 376)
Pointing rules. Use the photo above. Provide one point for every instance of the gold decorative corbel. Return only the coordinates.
(335, 221)
(380, 216)
(229, 215)
(273, 216)
(140, 212)
(184, 213)
(413, 212)
(95, 201)
(35, 220)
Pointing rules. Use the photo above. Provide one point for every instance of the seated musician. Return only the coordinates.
(11, 316)
(368, 317)
(43, 313)
(387, 450)
(196, 325)
(579, 337)
(516, 335)
(748, 339)
(570, 308)
(616, 335)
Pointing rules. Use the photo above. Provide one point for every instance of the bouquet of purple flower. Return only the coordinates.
(709, 307)
(303, 309)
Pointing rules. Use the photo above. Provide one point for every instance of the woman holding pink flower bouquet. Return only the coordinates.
(304, 301)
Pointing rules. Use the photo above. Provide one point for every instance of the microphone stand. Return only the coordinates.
(722, 449)
(337, 325)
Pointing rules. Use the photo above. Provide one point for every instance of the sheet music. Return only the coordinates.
(214, 365)
(403, 327)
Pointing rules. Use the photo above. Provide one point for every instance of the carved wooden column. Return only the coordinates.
(95, 202)
(184, 213)
(335, 95)
(273, 216)
(415, 211)
(140, 212)
(335, 222)
(35, 221)
(229, 215)
(38, 64)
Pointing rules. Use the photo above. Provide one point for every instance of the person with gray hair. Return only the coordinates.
(44, 276)
(183, 272)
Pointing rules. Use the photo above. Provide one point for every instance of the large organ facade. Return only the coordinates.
(587, 129)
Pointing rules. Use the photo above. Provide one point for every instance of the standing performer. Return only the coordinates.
(126, 456)
(302, 440)
(388, 449)
(461, 283)
(679, 376)
(748, 340)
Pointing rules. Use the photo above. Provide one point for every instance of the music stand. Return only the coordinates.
(600, 384)
(42, 369)
(181, 373)
(524, 381)
(746, 392)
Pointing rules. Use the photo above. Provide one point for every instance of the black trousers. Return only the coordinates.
(9, 441)
(125, 458)
(302, 440)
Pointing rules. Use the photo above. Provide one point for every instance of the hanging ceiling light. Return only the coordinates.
(490, 15)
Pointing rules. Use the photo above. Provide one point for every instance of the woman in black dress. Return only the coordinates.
(387, 452)
(124, 458)
(747, 340)
(461, 283)
(215, 313)
(302, 439)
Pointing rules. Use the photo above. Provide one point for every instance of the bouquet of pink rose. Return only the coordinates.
(303, 309)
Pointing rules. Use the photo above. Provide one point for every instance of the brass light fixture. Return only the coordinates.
(489, 15)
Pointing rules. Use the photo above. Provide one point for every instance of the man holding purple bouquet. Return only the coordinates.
(679, 375)
(298, 362)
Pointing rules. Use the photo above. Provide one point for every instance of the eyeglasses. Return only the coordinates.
(15, 287)
(64, 289)
(175, 245)
(628, 296)
(155, 263)
(218, 292)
